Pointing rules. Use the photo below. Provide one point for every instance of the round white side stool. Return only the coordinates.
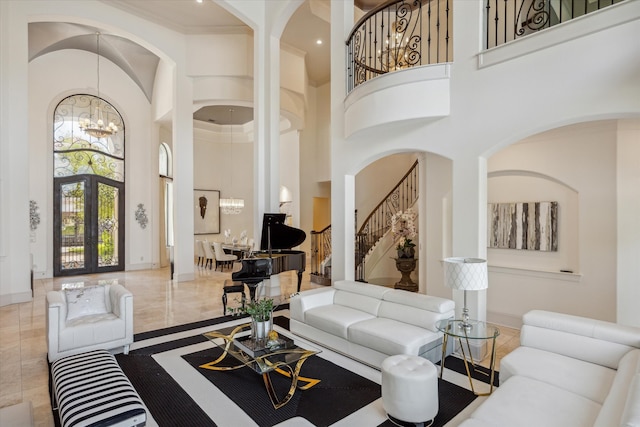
(410, 389)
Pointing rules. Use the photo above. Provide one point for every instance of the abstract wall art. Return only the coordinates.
(206, 217)
(529, 226)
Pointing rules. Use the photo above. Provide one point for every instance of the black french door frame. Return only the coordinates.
(91, 226)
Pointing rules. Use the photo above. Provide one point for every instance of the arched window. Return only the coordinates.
(165, 160)
(78, 150)
(166, 172)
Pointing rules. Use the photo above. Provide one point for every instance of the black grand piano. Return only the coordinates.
(275, 254)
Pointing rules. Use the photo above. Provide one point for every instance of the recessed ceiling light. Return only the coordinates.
(319, 41)
(199, 1)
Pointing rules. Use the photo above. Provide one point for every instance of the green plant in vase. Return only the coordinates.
(261, 311)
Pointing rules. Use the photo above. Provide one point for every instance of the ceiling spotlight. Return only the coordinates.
(199, 1)
(319, 41)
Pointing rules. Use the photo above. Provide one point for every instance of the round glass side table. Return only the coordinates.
(476, 330)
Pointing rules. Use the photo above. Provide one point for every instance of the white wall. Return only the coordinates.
(587, 242)
(290, 174)
(220, 165)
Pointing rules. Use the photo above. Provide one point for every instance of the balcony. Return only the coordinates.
(405, 47)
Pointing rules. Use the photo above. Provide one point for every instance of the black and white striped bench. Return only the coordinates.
(90, 389)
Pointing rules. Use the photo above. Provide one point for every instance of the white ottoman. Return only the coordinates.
(410, 388)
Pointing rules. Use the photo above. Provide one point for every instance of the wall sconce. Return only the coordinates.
(141, 216)
(34, 215)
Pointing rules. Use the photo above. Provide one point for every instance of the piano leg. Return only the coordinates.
(299, 280)
(252, 290)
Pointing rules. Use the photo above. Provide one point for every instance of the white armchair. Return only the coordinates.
(90, 318)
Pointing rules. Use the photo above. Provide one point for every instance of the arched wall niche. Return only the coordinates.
(516, 186)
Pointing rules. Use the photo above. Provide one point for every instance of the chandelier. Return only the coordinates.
(231, 206)
(400, 49)
(94, 125)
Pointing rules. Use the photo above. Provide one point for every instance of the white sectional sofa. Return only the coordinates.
(369, 322)
(569, 371)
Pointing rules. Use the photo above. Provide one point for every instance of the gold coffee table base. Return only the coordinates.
(264, 364)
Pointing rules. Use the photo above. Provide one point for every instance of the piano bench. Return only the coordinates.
(230, 287)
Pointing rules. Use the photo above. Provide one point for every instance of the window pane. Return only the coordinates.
(78, 152)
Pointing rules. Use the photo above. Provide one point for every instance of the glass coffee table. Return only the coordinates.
(283, 356)
(476, 331)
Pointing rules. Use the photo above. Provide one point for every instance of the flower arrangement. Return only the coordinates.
(403, 227)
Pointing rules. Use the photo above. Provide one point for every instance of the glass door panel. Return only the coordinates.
(108, 225)
(71, 228)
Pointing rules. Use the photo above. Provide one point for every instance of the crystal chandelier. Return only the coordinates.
(231, 206)
(94, 124)
(396, 54)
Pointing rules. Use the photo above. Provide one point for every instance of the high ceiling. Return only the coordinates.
(191, 17)
(308, 24)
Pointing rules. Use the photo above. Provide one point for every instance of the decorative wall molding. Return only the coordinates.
(540, 274)
(34, 215)
(141, 216)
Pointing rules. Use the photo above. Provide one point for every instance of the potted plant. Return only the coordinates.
(261, 311)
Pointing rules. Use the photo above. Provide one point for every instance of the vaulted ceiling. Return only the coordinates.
(309, 24)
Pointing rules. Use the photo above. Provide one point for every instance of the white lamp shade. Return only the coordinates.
(467, 274)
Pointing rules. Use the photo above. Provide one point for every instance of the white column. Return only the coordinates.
(628, 167)
(183, 176)
(342, 185)
(15, 264)
(469, 195)
(422, 223)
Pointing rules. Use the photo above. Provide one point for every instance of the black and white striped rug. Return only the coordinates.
(163, 367)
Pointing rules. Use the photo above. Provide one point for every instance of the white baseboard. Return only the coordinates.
(16, 298)
(140, 266)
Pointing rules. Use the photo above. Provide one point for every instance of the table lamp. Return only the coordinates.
(466, 274)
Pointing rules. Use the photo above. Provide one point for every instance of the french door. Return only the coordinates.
(88, 225)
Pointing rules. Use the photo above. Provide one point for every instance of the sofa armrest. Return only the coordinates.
(120, 298)
(590, 340)
(56, 309)
(122, 306)
(56, 317)
(309, 299)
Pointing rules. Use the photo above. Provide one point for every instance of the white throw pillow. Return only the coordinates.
(85, 301)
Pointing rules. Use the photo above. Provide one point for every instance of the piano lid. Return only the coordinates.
(282, 235)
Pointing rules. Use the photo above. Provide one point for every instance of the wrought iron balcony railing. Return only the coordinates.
(396, 35)
(508, 20)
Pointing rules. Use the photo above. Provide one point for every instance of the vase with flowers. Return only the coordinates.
(403, 227)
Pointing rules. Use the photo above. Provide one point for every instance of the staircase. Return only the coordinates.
(378, 223)
(375, 226)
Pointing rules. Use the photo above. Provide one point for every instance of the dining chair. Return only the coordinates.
(223, 258)
(202, 256)
(209, 254)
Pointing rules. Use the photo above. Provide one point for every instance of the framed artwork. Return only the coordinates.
(531, 226)
(206, 212)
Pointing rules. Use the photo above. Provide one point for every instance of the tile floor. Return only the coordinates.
(158, 303)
